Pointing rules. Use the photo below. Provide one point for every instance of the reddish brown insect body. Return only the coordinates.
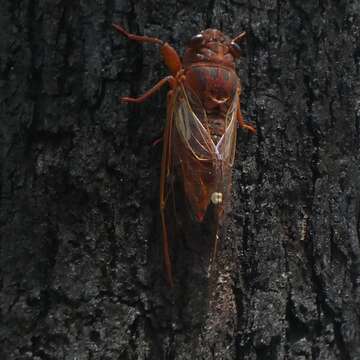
(202, 117)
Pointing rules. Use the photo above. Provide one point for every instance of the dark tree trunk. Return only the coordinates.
(81, 262)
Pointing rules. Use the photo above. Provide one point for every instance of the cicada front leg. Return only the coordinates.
(168, 79)
(171, 57)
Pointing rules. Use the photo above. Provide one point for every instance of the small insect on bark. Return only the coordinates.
(203, 112)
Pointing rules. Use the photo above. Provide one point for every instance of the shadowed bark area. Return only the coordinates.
(80, 256)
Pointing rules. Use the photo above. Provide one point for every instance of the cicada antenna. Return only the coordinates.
(240, 37)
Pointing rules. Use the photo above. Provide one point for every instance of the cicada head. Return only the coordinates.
(214, 47)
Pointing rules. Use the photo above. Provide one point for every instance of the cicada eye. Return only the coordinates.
(196, 41)
(235, 49)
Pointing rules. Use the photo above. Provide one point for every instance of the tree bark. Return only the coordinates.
(81, 262)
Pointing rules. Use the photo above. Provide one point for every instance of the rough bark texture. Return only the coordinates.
(81, 262)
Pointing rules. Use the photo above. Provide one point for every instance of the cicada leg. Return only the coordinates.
(157, 141)
(138, 38)
(242, 122)
(171, 57)
(168, 79)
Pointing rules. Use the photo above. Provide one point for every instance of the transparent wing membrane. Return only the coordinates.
(205, 167)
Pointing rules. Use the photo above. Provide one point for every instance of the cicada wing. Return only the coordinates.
(203, 167)
(194, 151)
(225, 150)
(226, 146)
(193, 134)
(192, 160)
(188, 153)
(166, 182)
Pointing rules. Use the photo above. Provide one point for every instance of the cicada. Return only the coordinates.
(203, 113)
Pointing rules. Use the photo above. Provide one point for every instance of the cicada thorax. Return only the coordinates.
(213, 90)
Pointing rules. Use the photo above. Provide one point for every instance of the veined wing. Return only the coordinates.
(191, 130)
(225, 148)
(205, 168)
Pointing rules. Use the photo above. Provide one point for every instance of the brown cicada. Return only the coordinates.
(203, 112)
